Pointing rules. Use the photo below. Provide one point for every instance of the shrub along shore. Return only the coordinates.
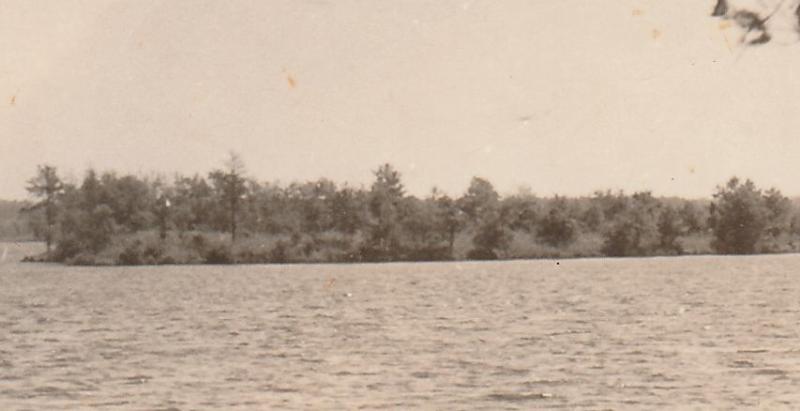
(226, 217)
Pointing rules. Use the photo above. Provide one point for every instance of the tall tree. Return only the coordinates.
(480, 198)
(450, 220)
(557, 229)
(481, 204)
(47, 186)
(385, 198)
(231, 188)
(192, 203)
(634, 229)
(739, 217)
(779, 210)
(669, 229)
(692, 217)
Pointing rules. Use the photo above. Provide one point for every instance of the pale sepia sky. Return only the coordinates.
(564, 96)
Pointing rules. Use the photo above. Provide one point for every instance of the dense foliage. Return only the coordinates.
(228, 218)
(746, 220)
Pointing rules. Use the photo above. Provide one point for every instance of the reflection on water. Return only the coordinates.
(701, 332)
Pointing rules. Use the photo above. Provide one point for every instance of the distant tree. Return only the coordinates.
(779, 212)
(557, 229)
(738, 217)
(193, 202)
(609, 204)
(131, 200)
(450, 220)
(634, 230)
(480, 198)
(348, 207)
(388, 182)
(692, 218)
(385, 197)
(521, 211)
(592, 217)
(669, 229)
(91, 191)
(100, 227)
(88, 223)
(47, 186)
(314, 201)
(778, 222)
(231, 188)
(623, 239)
(423, 235)
(418, 222)
(481, 204)
(491, 237)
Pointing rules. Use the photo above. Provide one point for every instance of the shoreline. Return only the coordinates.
(33, 259)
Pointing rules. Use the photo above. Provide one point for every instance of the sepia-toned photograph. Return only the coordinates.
(399, 205)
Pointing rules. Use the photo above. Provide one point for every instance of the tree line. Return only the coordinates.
(227, 217)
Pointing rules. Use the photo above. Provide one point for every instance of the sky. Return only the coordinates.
(562, 97)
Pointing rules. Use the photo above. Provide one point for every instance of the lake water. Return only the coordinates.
(660, 333)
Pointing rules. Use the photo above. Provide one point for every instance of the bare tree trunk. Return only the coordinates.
(49, 217)
(452, 241)
(233, 221)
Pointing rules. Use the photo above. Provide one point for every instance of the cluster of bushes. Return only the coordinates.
(228, 218)
(148, 248)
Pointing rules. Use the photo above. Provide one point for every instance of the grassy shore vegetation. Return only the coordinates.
(225, 218)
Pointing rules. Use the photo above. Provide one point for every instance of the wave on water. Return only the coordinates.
(510, 335)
